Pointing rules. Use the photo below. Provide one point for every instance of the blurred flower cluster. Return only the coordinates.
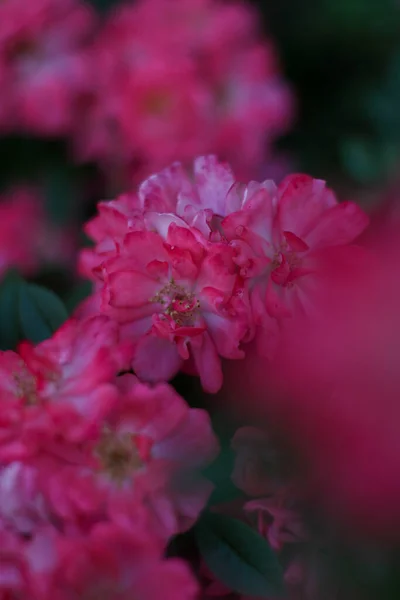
(157, 81)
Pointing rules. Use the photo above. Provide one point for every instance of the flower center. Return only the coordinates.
(26, 386)
(118, 455)
(178, 304)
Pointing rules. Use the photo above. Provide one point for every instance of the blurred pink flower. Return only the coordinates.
(173, 80)
(44, 64)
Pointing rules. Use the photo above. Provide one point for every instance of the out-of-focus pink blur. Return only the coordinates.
(334, 387)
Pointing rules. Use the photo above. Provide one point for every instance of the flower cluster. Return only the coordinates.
(178, 79)
(22, 217)
(196, 265)
(156, 82)
(97, 472)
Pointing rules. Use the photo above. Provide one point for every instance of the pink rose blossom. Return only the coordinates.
(148, 449)
(286, 237)
(178, 298)
(196, 264)
(59, 388)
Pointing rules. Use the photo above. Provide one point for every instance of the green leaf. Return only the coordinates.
(239, 557)
(41, 312)
(9, 317)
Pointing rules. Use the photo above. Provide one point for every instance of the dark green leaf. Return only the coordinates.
(41, 312)
(239, 557)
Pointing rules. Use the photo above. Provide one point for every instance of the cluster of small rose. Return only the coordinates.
(100, 457)
(98, 472)
(196, 265)
(156, 81)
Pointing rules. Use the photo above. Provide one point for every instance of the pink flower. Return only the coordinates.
(179, 298)
(42, 49)
(177, 79)
(148, 450)
(116, 564)
(197, 264)
(285, 239)
(58, 388)
(200, 198)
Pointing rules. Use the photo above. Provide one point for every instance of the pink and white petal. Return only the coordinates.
(157, 411)
(143, 247)
(185, 239)
(218, 270)
(131, 289)
(302, 202)
(160, 222)
(208, 364)
(156, 359)
(202, 222)
(338, 226)
(193, 442)
(189, 492)
(214, 180)
(226, 334)
(160, 191)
